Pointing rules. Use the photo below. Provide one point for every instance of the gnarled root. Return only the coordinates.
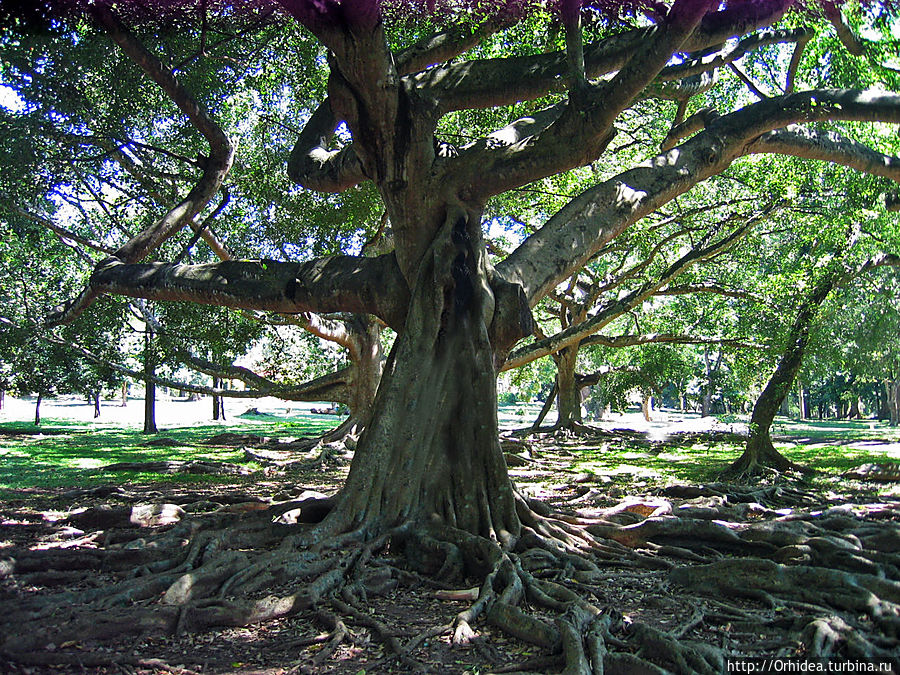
(816, 582)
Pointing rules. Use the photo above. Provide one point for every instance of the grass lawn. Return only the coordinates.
(63, 453)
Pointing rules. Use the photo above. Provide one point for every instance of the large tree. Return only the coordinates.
(429, 467)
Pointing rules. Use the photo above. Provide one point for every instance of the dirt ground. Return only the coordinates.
(418, 611)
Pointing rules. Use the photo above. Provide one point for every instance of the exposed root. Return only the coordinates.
(822, 582)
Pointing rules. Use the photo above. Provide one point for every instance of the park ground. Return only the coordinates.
(57, 493)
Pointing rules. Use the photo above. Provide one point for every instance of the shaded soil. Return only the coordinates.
(417, 611)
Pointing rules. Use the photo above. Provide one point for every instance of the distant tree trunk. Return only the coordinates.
(647, 407)
(545, 410)
(854, 412)
(2, 398)
(568, 390)
(149, 384)
(96, 399)
(785, 409)
(706, 405)
(124, 393)
(760, 452)
(217, 403)
(37, 409)
(801, 401)
(892, 396)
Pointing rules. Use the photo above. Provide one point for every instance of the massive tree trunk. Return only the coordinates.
(431, 452)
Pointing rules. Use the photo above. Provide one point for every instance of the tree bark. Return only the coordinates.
(760, 452)
(431, 451)
(95, 396)
(545, 409)
(892, 396)
(647, 407)
(367, 357)
(149, 384)
(37, 409)
(568, 390)
(218, 407)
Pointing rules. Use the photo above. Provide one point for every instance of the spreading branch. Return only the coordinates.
(598, 215)
(610, 311)
(336, 284)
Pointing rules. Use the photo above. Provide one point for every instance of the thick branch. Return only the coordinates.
(827, 146)
(715, 289)
(330, 387)
(221, 150)
(614, 309)
(619, 341)
(504, 81)
(337, 284)
(845, 34)
(598, 215)
(584, 128)
(314, 166)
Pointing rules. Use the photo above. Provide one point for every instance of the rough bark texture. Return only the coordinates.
(432, 448)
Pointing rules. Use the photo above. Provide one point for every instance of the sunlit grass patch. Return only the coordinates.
(65, 454)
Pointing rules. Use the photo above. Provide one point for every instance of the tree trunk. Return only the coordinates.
(545, 409)
(647, 407)
(892, 391)
(760, 452)
(124, 394)
(368, 362)
(854, 412)
(149, 384)
(217, 403)
(37, 410)
(801, 401)
(2, 398)
(431, 451)
(712, 368)
(568, 390)
(96, 399)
